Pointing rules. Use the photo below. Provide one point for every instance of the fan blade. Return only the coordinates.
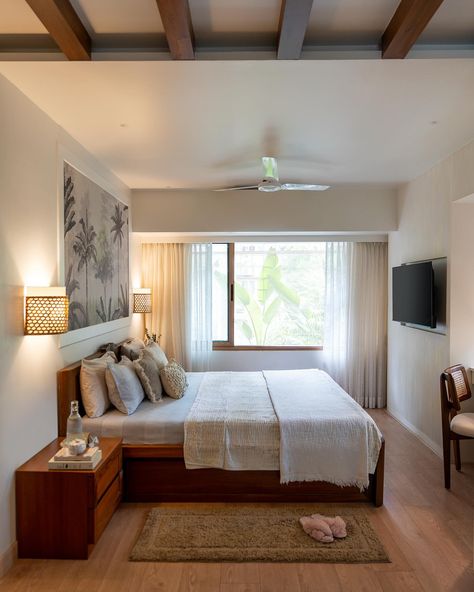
(270, 168)
(303, 187)
(240, 188)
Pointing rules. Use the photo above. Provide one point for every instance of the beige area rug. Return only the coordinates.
(253, 532)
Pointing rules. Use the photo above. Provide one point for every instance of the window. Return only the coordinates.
(268, 295)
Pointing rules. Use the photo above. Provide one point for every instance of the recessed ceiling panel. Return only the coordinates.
(16, 17)
(119, 16)
(453, 22)
(235, 22)
(347, 22)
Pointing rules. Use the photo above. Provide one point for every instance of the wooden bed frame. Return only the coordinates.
(157, 473)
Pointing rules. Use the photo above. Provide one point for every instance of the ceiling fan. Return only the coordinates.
(271, 181)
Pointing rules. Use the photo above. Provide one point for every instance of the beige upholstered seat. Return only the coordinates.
(455, 388)
(463, 424)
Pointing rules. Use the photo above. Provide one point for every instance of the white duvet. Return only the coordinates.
(298, 421)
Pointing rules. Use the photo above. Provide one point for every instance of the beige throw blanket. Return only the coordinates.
(232, 424)
(298, 421)
(324, 434)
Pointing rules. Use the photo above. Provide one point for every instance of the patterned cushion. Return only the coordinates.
(149, 375)
(93, 387)
(125, 389)
(173, 379)
(157, 353)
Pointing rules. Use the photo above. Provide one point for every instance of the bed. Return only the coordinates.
(154, 459)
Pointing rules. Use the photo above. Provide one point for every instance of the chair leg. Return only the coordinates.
(457, 454)
(447, 462)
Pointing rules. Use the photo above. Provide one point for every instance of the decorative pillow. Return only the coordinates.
(149, 375)
(125, 390)
(173, 379)
(132, 348)
(93, 386)
(158, 354)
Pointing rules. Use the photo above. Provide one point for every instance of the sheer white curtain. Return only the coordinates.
(336, 316)
(355, 350)
(180, 276)
(198, 343)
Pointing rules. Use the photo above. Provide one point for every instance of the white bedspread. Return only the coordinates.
(232, 424)
(324, 434)
(299, 421)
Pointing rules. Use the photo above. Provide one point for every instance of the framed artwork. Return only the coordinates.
(94, 254)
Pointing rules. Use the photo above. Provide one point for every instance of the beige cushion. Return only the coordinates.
(173, 379)
(93, 386)
(132, 348)
(125, 389)
(157, 353)
(149, 375)
(463, 424)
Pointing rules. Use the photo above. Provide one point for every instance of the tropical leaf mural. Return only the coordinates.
(96, 252)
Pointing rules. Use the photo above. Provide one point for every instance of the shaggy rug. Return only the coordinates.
(253, 532)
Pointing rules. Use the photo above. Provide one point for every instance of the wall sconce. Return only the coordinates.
(142, 300)
(46, 311)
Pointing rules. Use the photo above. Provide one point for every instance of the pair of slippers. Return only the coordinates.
(324, 528)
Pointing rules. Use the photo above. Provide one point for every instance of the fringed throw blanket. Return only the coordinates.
(324, 434)
(232, 424)
(298, 421)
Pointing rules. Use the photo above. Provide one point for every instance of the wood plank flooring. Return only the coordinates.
(427, 531)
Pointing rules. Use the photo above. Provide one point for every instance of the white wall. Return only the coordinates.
(348, 208)
(425, 230)
(265, 360)
(462, 293)
(28, 256)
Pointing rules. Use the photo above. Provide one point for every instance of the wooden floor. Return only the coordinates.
(427, 531)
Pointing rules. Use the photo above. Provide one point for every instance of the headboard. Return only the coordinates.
(69, 389)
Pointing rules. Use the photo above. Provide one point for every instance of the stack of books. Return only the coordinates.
(63, 460)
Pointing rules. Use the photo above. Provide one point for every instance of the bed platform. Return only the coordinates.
(157, 473)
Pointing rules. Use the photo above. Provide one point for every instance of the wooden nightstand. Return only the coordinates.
(61, 514)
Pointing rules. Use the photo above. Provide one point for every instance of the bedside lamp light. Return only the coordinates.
(46, 311)
(142, 300)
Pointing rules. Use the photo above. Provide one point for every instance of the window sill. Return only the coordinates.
(217, 347)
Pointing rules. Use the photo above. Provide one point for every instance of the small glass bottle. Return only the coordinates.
(74, 423)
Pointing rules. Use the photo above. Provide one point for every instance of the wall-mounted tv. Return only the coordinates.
(413, 292)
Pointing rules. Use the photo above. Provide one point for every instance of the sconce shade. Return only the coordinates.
(46, 311)
(142, 300)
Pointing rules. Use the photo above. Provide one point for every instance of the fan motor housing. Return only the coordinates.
(269, 184)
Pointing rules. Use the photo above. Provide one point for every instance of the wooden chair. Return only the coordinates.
(455, 389)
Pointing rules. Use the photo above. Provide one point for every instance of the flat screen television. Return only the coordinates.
(413, 294)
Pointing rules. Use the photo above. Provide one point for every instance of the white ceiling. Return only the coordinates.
(206, 124)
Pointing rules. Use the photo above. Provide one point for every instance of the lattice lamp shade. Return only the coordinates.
(46, 311)
(142, 300)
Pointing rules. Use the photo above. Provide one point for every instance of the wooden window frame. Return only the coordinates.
(229, 344)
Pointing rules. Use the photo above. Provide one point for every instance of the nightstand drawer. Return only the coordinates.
(103, 513)
(106, 475)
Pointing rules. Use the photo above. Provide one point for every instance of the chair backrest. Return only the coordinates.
(458, 387)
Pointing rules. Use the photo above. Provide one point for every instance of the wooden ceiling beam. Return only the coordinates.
(64, 26)
(407, 24)
(294, 18)
(176, 18)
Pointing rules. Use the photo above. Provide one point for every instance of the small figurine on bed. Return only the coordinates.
(324, 528)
